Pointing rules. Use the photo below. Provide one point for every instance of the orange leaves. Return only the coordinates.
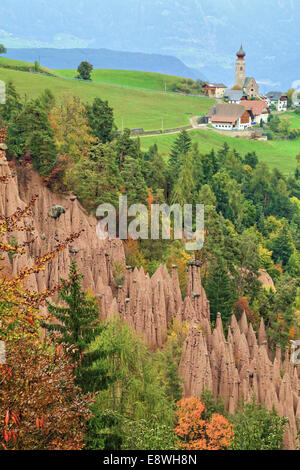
(219, 432)
(9, 433)
(40, 423)
(30, 320)
(3, 134)
(52, 412)
(292, 333)
(198, 434)
(7, 417)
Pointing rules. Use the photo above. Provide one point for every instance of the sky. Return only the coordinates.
(204, 34)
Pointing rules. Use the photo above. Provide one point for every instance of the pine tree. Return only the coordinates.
(31, 133)
(78, 326)
(13, 104)
(220, 290)
(181, 147)
(135, 186)
(282, 247)
(127, 147)
(101, 120)
(109, 180)
(154, 169)
(185, 186)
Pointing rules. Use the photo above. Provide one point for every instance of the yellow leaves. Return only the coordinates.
(71, 130)
(19, 307)
(292, 333)
(248, 168)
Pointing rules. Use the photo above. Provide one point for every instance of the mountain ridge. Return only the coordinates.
(105, 59)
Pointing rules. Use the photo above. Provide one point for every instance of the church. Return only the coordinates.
(247, 84)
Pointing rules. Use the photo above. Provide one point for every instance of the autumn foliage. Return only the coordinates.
(3, 133)
(40, 406)
(197, 433)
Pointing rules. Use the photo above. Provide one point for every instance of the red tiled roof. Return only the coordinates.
(216, 85)
(223, 119)
(257, 107)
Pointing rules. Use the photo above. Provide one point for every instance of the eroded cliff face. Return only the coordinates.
(239, 367)
(233, 368)
(148, 304)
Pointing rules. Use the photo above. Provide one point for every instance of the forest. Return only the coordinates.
(87, 384)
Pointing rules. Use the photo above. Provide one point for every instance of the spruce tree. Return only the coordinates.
(78, 326)
(184, 188)
(31, 133)
(135, 186)
(220, 290)
(181, 147)
(108, 178)
(101, 120)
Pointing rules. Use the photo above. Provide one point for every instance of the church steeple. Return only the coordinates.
(240, 69)
(241, 53)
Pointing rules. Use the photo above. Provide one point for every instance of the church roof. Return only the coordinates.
(241, 52)
(233, 95)
(248, 80)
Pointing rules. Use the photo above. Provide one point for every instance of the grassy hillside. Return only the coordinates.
(147, 109)
(293, 118)
(147, 80)
(278, 154)
(137, 108)
(9, 63)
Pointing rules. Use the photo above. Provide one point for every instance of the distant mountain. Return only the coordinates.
(203, 34)
(105, 59)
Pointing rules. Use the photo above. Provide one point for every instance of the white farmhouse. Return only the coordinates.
(229, 117)
(277, 99)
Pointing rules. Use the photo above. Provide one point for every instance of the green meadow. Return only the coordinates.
(132, 107)
(146, 80)
(277, 154)
(293, 118)
(4, 62)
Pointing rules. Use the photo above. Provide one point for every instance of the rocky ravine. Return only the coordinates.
(234, 368)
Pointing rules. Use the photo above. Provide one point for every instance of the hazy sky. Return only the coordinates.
(202, 33)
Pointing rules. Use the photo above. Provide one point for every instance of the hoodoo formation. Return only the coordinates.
(235, 368)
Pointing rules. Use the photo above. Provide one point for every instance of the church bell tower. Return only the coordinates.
(240, 68)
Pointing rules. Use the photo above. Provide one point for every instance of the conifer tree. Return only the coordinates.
(31, 133)
(220, 290)
(185, 186)
(13, 104)
(109, 180)
(135, 186)
(181, 147)
(78, 326)
(101, 120)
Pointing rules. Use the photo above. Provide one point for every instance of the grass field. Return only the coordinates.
(133, 108)
(293, 118)
(277, 154)
(19, 63)
(146, 80)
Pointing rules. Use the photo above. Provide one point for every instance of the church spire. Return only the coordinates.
(241, 53)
